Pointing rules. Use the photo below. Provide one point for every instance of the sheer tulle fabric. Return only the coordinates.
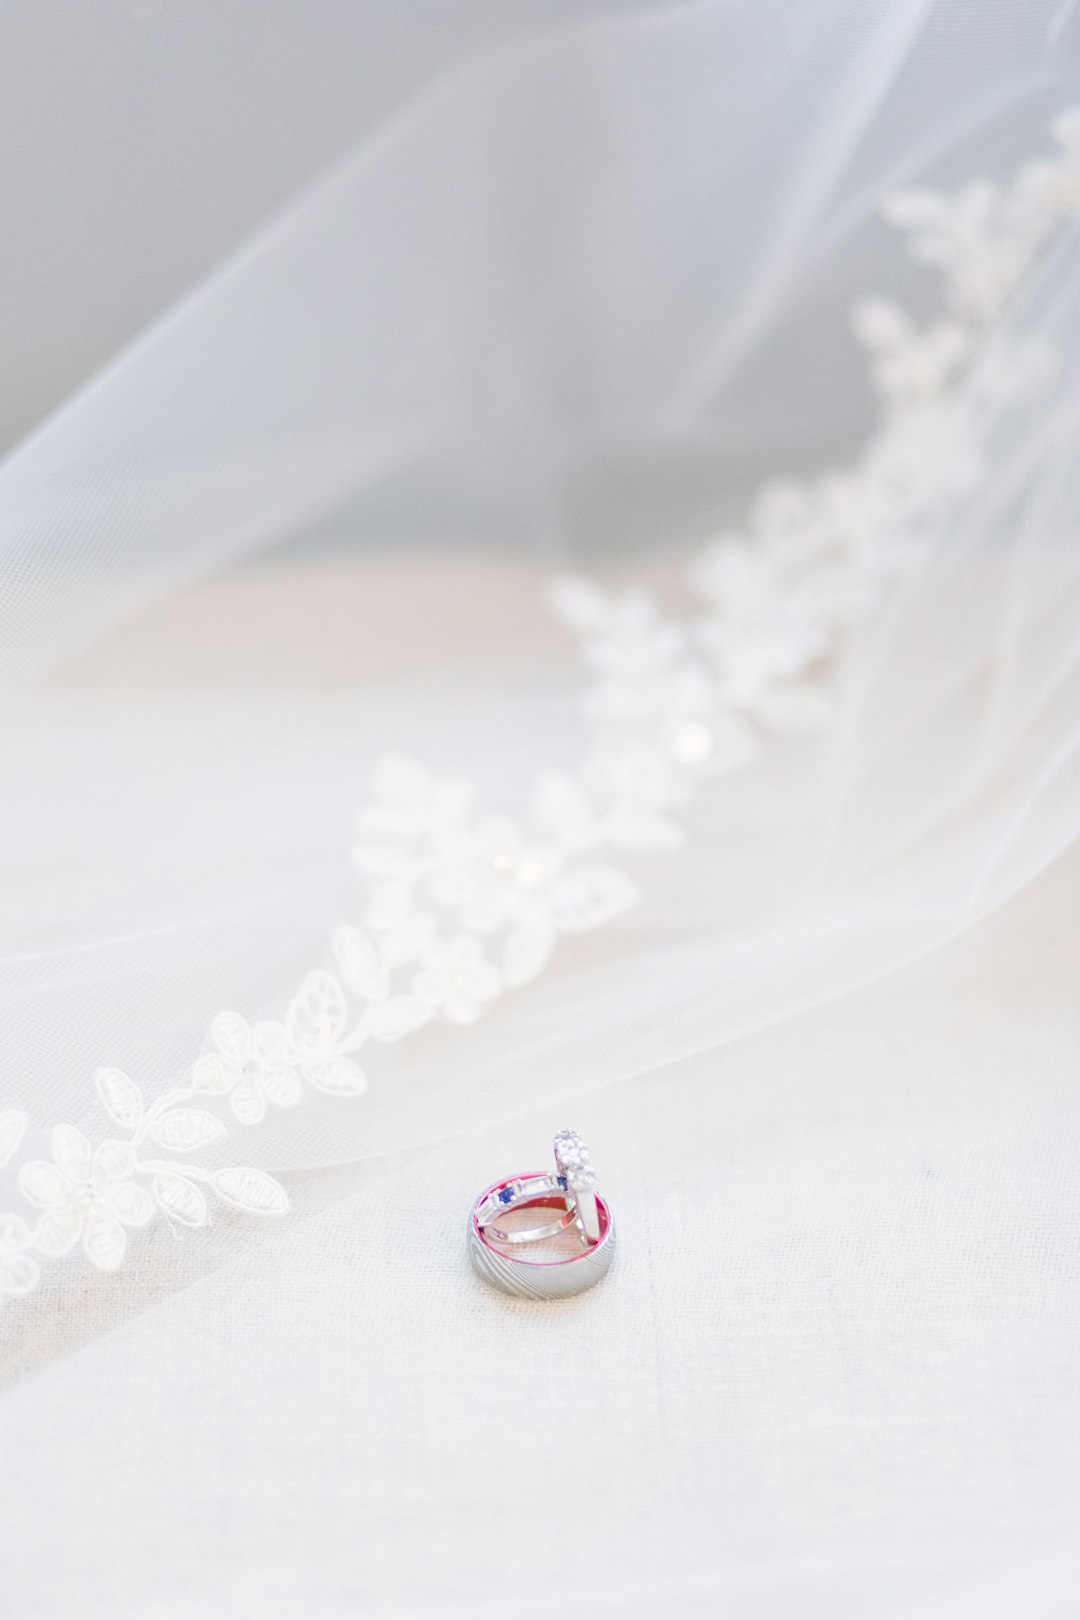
(568, 308)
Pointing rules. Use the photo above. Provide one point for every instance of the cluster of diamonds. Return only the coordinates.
(572, 1158)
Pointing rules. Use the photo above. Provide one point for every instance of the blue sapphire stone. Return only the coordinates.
(506, 1195)
(562, 1182)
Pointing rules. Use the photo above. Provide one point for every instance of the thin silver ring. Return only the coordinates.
(532, 1234)
(519, 1193)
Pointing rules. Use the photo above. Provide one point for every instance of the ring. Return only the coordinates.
(521, 1192)
(542, 1279)
(572, 1192)
(576, 1172)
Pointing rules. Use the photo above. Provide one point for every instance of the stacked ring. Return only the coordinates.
(570, 1192)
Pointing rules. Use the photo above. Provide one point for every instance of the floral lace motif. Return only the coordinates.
(464, 904)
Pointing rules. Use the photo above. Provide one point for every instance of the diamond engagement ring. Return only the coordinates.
(576, 1173)
(568, 1198)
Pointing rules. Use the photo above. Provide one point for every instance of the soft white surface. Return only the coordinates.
(833, 1374)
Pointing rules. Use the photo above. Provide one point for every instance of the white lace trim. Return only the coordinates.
(463, 903)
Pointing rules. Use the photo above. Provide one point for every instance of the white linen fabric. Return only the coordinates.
(832, 1374)
(568, 308)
